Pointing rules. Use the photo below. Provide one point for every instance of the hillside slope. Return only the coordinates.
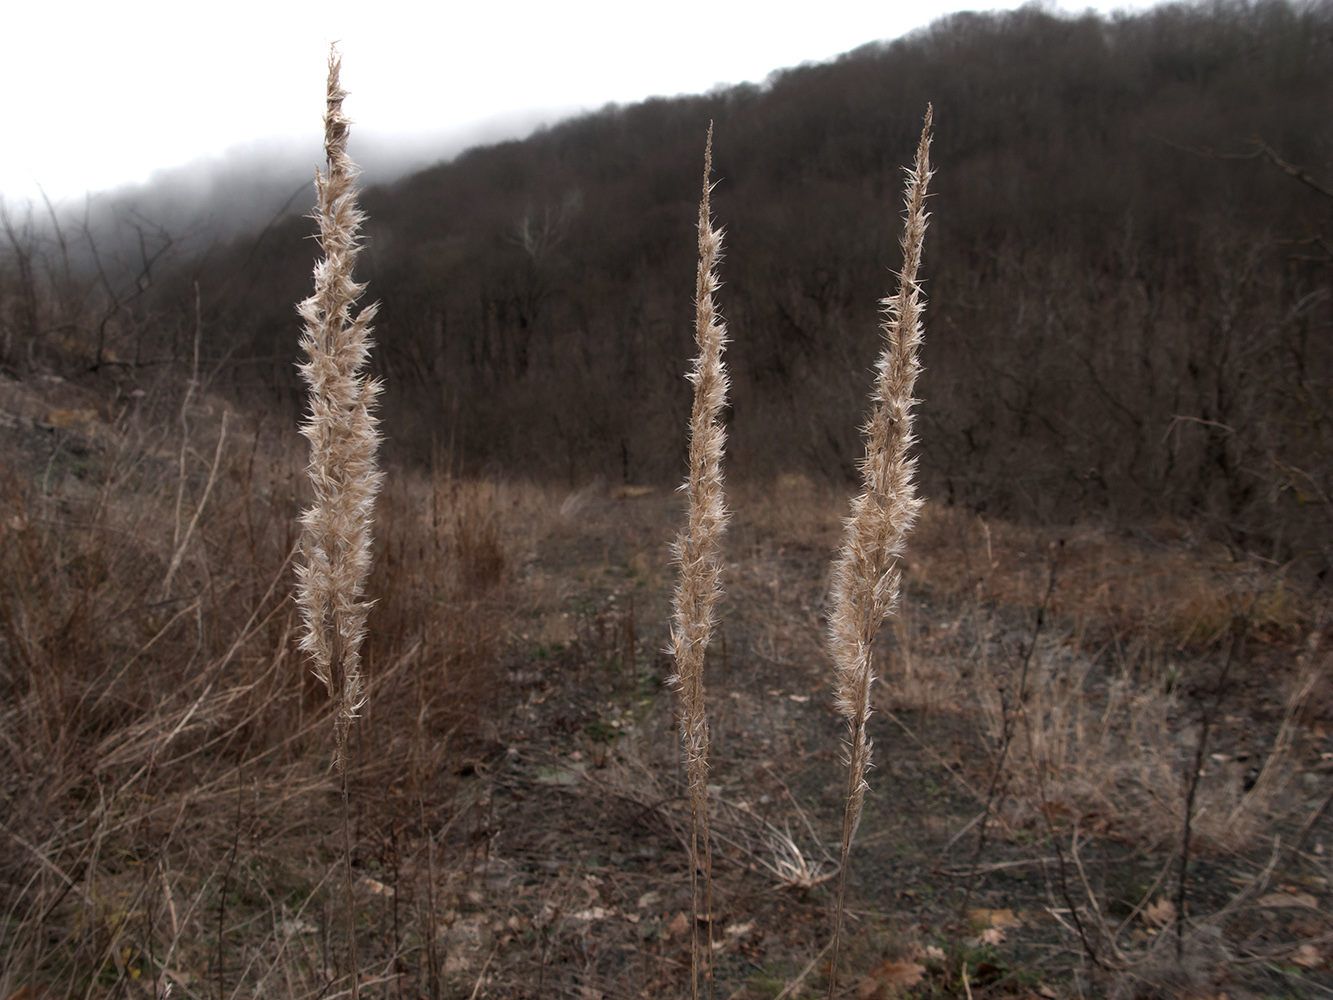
(1121, 321)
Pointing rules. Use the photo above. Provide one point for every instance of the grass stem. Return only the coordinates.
(865, 576)
(696, 555)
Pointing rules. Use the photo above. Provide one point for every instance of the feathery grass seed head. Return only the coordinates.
(696, 548)
(343, 433)
(865, 578)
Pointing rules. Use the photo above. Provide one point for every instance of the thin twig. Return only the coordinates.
(198, 511)
(1237, 636)
(185, 419)
(995, 794)
(791, 988)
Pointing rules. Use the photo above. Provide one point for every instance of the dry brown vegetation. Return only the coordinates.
(137, 722)
(1105, 745)
(519, 815)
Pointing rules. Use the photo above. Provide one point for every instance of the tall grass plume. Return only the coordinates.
(344, 478)
(866, 577)
(343, 435)
(696, 555)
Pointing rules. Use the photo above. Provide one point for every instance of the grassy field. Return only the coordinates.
(519, 813)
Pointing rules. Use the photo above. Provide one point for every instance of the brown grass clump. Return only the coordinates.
(183, 725)
(440, 576)
(696, 553)
(1109, 748)
(866, 575)
(1158, 584)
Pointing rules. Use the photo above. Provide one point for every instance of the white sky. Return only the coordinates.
(98, 93)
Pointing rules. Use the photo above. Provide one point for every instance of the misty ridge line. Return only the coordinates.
(192, 208)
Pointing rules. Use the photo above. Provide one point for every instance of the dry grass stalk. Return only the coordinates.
(696, 553)
(866, 576)
(343, 440)
(342, 434)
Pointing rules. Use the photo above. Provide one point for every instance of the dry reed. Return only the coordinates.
(866, 577)
(343, 439)
(696, 554)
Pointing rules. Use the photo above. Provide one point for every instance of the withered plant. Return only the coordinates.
(696, 554)
(343, 439)
(866, 576)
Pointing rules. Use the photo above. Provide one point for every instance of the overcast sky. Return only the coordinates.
(98, 93)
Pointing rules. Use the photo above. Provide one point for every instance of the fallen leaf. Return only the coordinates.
(547, 914)
(570, 775)
(375, 888)
(1160, 913)
(889, 979)
(1000, 919)
(650, 898)
(1307, 957)
(679, 926)
(84, 421)
(592, 913)
(991, 936)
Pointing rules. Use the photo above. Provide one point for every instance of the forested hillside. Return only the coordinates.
(1128, 286)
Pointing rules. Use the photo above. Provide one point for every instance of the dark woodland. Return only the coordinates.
(1127, 277)
(1128, 288)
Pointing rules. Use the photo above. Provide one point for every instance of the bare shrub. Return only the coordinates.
(1111, 750)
